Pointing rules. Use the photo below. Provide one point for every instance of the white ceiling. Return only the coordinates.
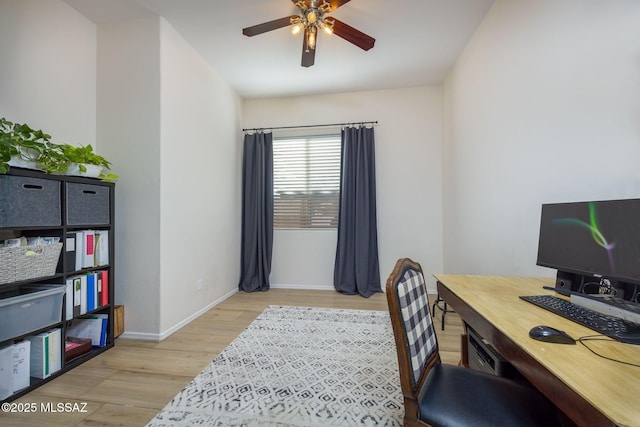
(417, 41)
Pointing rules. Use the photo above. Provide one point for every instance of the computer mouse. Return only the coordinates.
(549, 334)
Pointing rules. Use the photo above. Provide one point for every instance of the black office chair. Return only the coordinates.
(437, 394)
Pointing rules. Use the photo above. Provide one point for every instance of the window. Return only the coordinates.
(306, 182)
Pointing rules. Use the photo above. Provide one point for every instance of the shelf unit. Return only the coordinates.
(73, 218)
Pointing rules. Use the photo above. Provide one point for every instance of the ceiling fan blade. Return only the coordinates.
(267, 26)
(334, 3)
(352, 35)
(308, 54)
(337, 3)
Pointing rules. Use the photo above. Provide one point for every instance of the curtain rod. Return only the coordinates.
(311, 126)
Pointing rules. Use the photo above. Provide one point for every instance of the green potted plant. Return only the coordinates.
(84, 161)
(22, 146)
(52, 159)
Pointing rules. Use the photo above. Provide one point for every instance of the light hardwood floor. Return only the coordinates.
(128, 384)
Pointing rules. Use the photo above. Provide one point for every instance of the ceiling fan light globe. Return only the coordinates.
(326, 27)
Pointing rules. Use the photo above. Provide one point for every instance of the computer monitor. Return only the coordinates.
(590, 241)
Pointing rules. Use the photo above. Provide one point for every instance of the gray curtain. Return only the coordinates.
(356, 268)
(257, 212)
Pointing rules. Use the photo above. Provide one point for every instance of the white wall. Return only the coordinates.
(409, 179)
(129, 136)
(542, 106)
(48, 69)
(200, 190)
(171, 126)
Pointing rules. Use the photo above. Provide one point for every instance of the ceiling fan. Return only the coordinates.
(313, 16)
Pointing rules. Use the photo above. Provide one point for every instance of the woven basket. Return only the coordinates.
(26, 263)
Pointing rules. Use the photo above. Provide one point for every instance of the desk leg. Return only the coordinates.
(464, 350)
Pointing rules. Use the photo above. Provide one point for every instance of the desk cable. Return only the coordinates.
(602, 338)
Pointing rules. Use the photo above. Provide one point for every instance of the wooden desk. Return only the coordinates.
(591, 390)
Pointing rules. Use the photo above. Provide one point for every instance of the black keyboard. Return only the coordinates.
(613, 327)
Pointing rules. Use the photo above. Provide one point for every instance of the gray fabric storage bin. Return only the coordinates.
(26, 202)
(87, 204)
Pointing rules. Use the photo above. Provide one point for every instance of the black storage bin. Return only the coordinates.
(27, 202)
(87, 204)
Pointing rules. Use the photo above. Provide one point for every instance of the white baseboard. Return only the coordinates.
(166, 333)
(304, 287)
(140, 336)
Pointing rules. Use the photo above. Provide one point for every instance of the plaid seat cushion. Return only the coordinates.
(414, 308)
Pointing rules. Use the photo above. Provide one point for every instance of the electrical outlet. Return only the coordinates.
(199, 284)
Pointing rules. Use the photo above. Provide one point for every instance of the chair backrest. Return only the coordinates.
(415, 337)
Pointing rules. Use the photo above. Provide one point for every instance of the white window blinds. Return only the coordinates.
(306, 182)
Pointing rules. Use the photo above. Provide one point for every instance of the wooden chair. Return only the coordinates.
(437, 394)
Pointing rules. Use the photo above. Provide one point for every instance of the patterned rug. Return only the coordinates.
(298, 366)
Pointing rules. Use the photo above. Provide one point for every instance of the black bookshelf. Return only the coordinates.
(70, 205)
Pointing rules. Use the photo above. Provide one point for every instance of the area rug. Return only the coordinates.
(298, 366)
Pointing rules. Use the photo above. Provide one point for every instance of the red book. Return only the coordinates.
(75, 347)
(90, 244)
(104, 274)
(68, 345)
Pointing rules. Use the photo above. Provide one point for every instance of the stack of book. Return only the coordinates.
(93, 328)
(75, 347)
(86, 249)
(37, 356)
(46, 353)
(86, 293)
(14, 368)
